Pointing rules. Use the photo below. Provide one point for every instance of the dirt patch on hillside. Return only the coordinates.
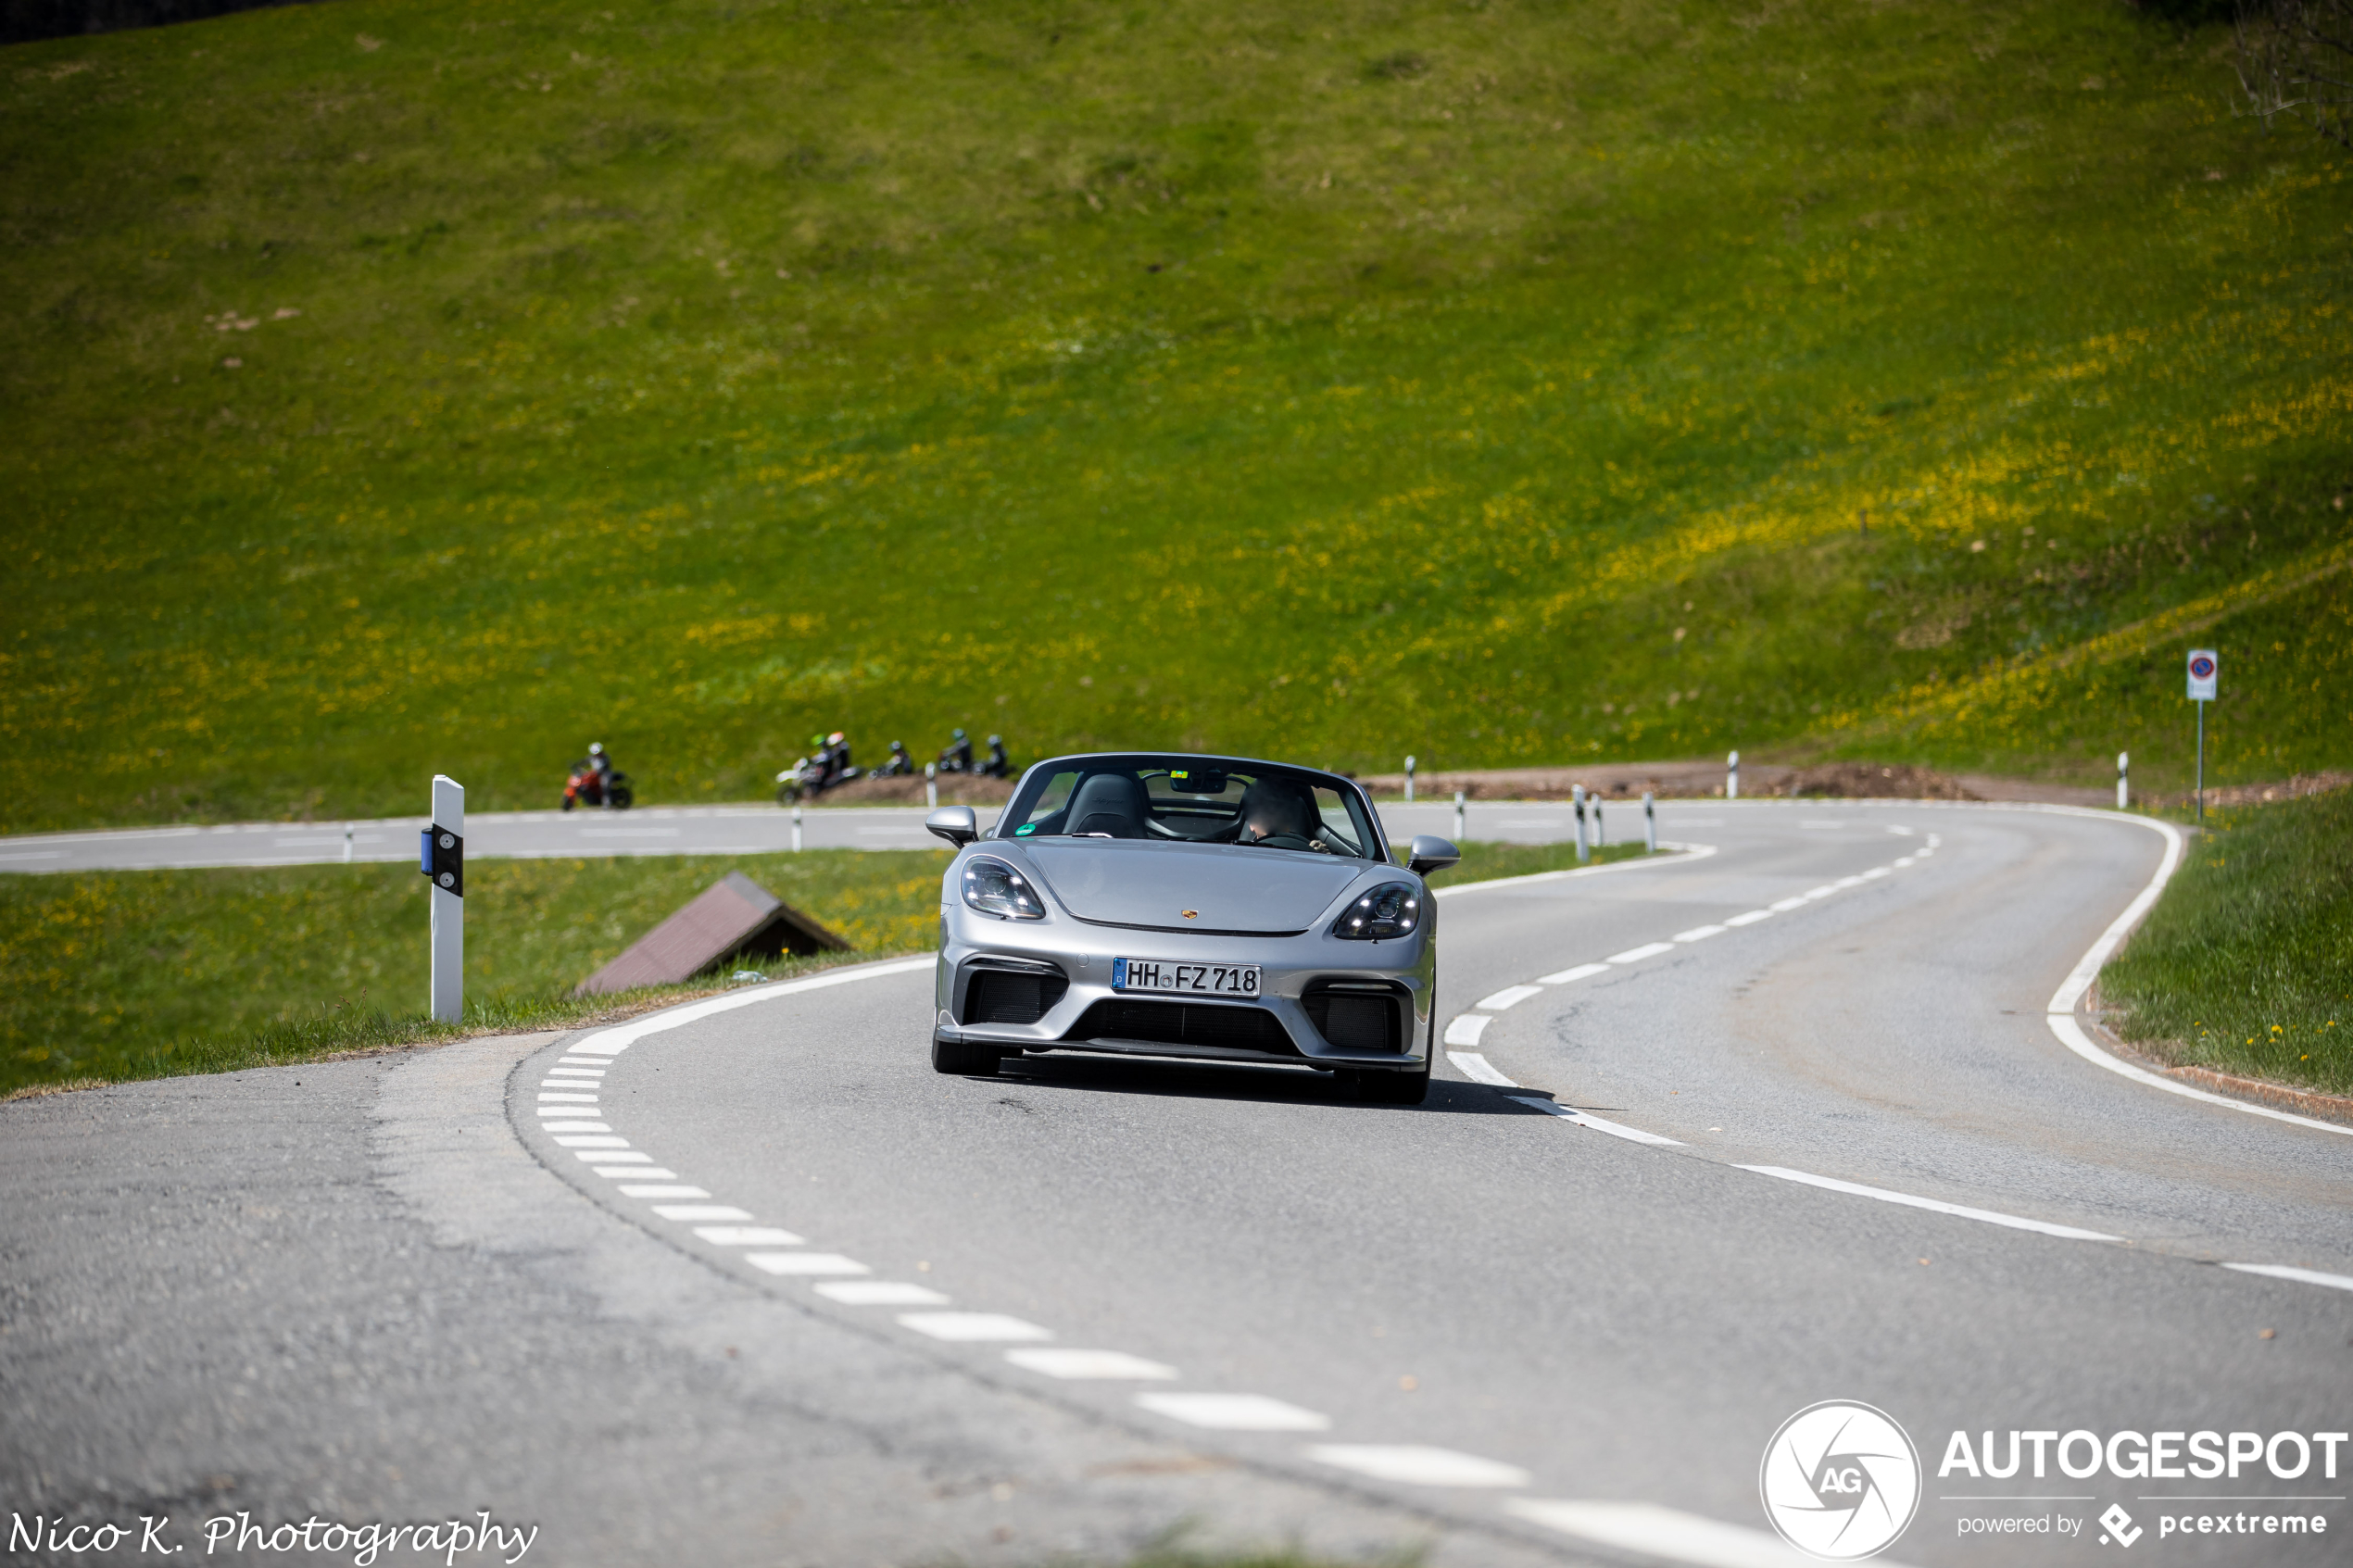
(1695, 781)
(1865, 781)
(2254, 794)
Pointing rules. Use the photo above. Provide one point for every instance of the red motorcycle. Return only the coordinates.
(595, 787)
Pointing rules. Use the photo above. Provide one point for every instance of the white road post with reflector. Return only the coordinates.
(441, 857)
(2123, 798)
(1577, 797)
(1650, 823)
(1733, 776)
(2205, 674)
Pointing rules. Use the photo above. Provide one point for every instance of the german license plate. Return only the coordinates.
(1186, 979)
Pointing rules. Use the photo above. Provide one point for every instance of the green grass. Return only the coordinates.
(1502, 382)
(2246, 963)
(140, 974)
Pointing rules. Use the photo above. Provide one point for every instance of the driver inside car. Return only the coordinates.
(1279, 815)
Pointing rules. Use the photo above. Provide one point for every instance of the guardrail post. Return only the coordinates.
(931, 789)
(1650, 823)
(1409, 781)
(2123, 798)
(1577, 794)
(1733, 777)
(445, 848)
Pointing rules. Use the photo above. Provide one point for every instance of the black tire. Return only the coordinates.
(1381, 1086)
(963, 1059)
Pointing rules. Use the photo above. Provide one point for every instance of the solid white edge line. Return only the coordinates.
(1615, 1129)
(1478, 1070)
(2071, 1034)
(2302, 1276)
(1937, 1206)
(1671, 855)
(612, 1042)
(2061, 1014)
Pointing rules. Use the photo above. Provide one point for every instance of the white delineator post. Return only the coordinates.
(931, 788)
(1650, 823)
(448, 907)
(1577, 794)
(1458, 816)
(1733, 776)
(1409, 781)
(795, 827)
(2123, 799)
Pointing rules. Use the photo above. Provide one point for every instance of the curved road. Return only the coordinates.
(1741, 1130)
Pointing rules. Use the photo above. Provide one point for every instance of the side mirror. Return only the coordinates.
(955, 824)
(1429, 853)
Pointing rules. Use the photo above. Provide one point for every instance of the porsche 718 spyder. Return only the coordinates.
(1214, 908)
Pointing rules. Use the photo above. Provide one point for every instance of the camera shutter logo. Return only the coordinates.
(1841, 1481)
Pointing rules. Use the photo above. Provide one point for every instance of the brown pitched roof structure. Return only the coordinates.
(731, 918)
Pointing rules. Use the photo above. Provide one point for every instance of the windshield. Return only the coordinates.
(1191, 800)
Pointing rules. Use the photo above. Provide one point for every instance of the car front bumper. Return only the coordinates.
(1078, 1010)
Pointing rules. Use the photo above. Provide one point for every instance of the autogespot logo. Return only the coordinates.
(1841, 1481)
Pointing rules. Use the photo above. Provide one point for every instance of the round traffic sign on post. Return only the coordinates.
(2203, 674)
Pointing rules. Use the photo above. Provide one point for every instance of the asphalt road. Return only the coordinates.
(700, 830)
(1513, 1325)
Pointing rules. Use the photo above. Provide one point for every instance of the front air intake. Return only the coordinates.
(1185, 1023)
(1009, 995)
(1356, 1016)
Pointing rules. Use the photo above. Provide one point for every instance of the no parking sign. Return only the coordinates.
(2203, 675)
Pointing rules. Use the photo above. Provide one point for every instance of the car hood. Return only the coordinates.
(1122, 881)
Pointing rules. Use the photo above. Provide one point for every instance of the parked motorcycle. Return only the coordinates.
(899, 766)
(810, 777)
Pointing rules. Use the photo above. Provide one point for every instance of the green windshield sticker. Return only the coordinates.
(1025, 830)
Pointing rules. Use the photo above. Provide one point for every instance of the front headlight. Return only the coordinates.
(1393, 908)
(995, 889)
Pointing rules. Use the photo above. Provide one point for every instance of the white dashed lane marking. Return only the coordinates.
(1478, 1070)
(690, 1211)
(880, 1293)
(1701, 933)
(1647, 950)
(1751, 918)
(1582, 972)
(1583, 1119)
(589, 1140)
(2302, 1276)
(1234, 1413)
(1113, 1365)
(639, 1173)
(663, 1191)
(746, 1236)
(1988, 1216)
(1653, 1531)
(1417, 1466)
(1508, 995)
(1465, 1028)
(805, 1263)
(972, 1327)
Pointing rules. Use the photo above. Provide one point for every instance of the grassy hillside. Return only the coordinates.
(2247, 964)
(417, 386)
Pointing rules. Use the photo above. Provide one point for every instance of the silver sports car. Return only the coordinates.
(1177, 906)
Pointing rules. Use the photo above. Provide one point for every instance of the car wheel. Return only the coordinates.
(1381, 1086)
(963, 1059)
